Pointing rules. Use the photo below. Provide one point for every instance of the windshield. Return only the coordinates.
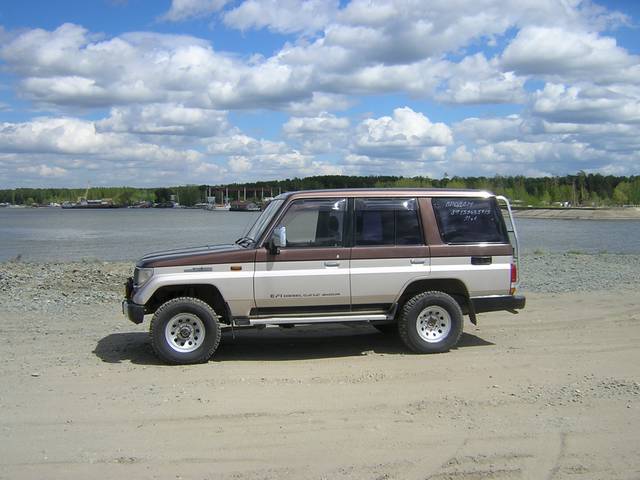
(263, 220)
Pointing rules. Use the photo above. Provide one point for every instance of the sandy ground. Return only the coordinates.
(550, 393)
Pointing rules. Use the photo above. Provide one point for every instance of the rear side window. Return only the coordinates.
(469, 220)
(387, 221)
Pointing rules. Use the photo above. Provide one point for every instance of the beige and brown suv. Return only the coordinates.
(408, 260)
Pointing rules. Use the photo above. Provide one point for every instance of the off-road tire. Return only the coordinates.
(202, 315)
(430, 314)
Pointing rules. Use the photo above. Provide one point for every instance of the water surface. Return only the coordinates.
(53, 234)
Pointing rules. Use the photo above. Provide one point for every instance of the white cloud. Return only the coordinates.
(299, 126)
(239, 144)
(419, 79)
(239, 164)
(277, 166)
(408, 134)
(283, 16)
(489, 130)
(186, 9)
(538, 157)
(587, 104)
(68, 66)
(259, 159)
(54, 135)
(173, 99)
(73, 140)
(318, 103)
(383, 48)
(324, 133)
(364, 165)
(606, 137)
(477, 80)
(165, 119)
(462, 155)
(44, 171)
(563, 54)
(409, 31)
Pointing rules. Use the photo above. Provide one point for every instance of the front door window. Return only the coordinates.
(317, 223)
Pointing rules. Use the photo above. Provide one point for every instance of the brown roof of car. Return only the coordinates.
(389, 192)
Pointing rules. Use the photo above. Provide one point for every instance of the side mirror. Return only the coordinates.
(278, 239)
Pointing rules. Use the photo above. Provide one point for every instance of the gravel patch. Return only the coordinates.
(52, 287)
(576, 272)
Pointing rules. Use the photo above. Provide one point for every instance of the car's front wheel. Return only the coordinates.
(185, 330)
(430, 322)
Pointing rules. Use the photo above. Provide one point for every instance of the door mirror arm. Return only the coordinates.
(278, 239)
(271, 247)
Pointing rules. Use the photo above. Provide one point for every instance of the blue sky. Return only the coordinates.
(141, 92)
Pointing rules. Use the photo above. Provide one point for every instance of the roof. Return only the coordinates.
(388, 192)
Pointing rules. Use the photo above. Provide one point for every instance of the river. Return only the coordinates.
(56, 235)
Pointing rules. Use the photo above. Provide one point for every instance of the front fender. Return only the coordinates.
(235, 285)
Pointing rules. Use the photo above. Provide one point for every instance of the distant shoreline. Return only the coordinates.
(628, 213)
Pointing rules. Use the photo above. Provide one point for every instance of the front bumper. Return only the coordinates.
(509, 303)
(133, 311)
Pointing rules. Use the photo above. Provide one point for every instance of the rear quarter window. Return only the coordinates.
(470, 220)
(387, 221)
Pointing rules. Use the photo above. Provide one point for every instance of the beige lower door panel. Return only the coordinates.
(378, 274)
(302, 278)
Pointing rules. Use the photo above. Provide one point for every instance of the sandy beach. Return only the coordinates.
(552, 392)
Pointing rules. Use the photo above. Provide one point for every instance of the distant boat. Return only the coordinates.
(165, 205)
(85, 203)
(143, 204)
(240, 206)
(46, 205)
(221, 208)
(90, 204)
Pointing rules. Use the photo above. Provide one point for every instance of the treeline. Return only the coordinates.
(578, 190)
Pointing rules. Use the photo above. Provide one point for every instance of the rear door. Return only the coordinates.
(389, 251)
(311, 272)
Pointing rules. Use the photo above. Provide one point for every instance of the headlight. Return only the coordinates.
(142, 276)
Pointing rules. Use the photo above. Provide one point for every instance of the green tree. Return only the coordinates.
(163, 195)
(125, 196)
(545, 199)
(189, 195)
(621, 193)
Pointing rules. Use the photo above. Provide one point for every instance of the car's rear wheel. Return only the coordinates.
(185, 330)
(430, 322)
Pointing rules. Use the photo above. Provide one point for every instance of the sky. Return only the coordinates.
(153, 93)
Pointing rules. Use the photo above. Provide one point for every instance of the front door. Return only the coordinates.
(311, 272)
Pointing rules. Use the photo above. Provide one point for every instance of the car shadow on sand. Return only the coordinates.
(133, 347)
(300, 343)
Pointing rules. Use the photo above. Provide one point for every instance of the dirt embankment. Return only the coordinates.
(552, 392)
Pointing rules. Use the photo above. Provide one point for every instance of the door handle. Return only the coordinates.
(331, 264)
(481, 260)
(418, 261)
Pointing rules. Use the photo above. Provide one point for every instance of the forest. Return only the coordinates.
(581, 189)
